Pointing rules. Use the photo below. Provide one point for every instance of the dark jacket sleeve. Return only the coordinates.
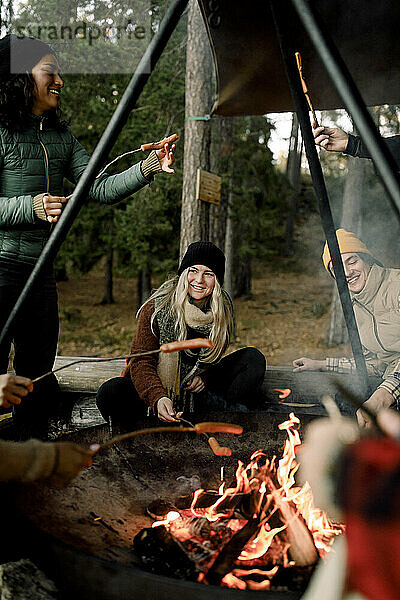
(143, 369)
(107, 189)
(357, 148)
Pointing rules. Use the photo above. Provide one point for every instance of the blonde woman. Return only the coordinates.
(191, 304)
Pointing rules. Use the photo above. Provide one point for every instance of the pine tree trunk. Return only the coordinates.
(198, 103)
(293, 172)
(108, 297)
(242, 278)
(229, 248)
(144, 285)
(220, 164)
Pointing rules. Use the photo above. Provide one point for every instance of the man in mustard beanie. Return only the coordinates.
(375, 295)
(348, 242)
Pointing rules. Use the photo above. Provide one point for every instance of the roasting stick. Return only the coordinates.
(331, 408)
(206, 427)
(165, 348)
(143, 148)
(305, 88)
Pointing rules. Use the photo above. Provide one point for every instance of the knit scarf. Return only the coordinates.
(173, 368)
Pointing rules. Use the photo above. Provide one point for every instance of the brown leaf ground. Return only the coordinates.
(286, 316)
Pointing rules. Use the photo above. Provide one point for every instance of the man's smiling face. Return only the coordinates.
(356, 271)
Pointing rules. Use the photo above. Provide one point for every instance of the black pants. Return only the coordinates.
(234, 381)
(34, 334)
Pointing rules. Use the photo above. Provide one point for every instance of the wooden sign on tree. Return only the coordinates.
(208, 187)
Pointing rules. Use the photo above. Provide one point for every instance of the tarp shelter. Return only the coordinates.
(250, 72)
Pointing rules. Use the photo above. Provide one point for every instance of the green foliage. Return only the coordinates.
(260, 191)
(144, 229)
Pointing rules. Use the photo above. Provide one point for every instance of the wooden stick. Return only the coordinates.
(305, 89)
(143, 148)
(88, 360)
(177, 346)
(203, 427)
(331, 408)
(132, 434)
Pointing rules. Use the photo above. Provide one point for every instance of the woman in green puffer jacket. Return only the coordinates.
(37, 151)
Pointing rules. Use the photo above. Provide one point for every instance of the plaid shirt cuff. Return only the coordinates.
(392, 385)
(340, 365)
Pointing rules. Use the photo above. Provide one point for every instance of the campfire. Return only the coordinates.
(250, 527)
(259, 532)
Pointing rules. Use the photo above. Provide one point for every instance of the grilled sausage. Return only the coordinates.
(210, 427)
(160, 144)
(217, 449)
(186, 345)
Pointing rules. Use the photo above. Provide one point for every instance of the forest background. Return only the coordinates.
(286, 304)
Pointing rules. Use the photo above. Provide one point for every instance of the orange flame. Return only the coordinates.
(256, 478)
(171, 516)
(259, 545)
(317, 521)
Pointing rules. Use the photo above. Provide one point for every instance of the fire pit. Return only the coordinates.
(84, 534)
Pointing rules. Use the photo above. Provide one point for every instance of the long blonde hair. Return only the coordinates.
(173, 293)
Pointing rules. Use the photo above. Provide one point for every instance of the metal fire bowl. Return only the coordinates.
(82, 535)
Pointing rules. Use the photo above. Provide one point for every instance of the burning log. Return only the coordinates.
(225, 561)
(302, 549)
(161, 553)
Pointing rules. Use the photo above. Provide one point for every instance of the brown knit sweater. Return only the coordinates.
(143, 369)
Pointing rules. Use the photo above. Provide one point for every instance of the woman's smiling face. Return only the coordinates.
(48, 84)
(201, 282)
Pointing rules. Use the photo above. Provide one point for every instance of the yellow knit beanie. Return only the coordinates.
(348, 242)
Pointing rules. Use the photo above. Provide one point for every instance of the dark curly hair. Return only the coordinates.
(16, 103)
(18, 55)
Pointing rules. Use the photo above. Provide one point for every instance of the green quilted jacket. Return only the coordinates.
(33, 161)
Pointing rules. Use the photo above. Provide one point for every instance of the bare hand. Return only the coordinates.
(166, 157)
(13, 388)
(308, 364)
(331, 139)
(196, 385)
(389, 421)
(53, 206)
(379, 400)
(166, 411)
(70, 461)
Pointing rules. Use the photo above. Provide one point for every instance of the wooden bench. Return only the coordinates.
(307, 388)
(80, 383)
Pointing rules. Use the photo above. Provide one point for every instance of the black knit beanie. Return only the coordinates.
(207, 254)
(20, 54)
